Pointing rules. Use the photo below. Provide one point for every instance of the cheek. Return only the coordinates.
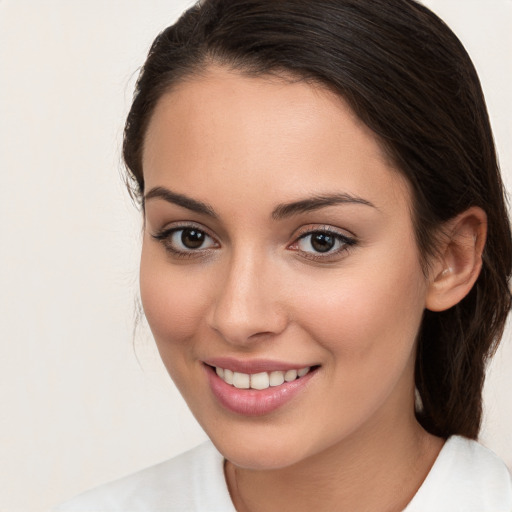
(367, 318)
(172, 299)
(367, 324)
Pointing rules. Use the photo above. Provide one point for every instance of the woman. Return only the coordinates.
(325, 259)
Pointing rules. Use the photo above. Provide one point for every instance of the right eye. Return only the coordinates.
(185, 241)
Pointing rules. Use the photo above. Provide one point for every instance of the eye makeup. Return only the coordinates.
(317, 243)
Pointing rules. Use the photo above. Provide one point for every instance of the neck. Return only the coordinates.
(375, 469)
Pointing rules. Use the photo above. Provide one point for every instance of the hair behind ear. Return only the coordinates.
(455, 342)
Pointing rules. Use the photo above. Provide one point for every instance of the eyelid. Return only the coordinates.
(165, 234)
(177, 225)
(348, 241)
(329, 228)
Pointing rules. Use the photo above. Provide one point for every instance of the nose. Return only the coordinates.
(246, 304)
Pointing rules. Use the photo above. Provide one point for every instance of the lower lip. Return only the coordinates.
(252, 402)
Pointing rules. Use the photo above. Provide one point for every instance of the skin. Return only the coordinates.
(244, 145)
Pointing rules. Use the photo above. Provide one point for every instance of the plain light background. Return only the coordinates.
(79, 405)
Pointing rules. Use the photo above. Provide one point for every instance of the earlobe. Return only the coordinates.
(459, 262)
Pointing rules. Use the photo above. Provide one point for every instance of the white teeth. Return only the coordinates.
(276, 378)
(228, 376)
(262, 380)
(241, 380)
(290, 375)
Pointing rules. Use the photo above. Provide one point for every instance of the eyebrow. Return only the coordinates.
(180, 200)
(315, 203)
(281, 211)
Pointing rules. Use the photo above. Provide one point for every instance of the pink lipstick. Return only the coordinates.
(258, 387)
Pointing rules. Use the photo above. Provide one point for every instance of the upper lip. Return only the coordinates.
(251, 366)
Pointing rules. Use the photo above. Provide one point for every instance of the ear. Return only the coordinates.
(458, 264)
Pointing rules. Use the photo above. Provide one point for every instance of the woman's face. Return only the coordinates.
(278, 237)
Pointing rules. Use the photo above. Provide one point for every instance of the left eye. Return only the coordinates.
(190, 239)
(322, 242)
(185, 241)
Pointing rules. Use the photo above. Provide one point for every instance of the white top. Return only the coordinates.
(466, 477)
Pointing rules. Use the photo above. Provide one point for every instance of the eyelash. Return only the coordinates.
(345, 242)
(165, 237)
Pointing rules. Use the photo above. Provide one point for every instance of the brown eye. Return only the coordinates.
(322, 242)
(192, 238)
(187, 241)
(319, 242)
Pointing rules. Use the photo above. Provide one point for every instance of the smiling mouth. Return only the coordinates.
(262, 380)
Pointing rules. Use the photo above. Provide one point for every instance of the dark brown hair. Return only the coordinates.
(408, 77)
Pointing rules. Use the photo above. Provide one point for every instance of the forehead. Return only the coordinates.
(268, 135)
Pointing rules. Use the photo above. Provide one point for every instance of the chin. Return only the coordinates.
(260, 458)
(264, 450)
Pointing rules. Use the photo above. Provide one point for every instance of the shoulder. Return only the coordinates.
(191, 481)
(467, 477)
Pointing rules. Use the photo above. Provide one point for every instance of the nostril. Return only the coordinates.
(243, 330)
